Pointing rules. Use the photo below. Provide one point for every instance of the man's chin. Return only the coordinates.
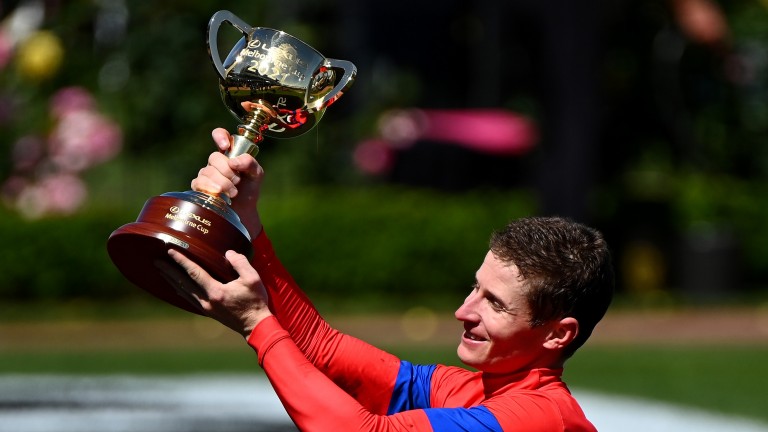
(467, 357)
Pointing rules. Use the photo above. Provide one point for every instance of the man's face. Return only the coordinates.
(497, 335)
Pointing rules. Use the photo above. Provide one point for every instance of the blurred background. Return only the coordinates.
(645, 119)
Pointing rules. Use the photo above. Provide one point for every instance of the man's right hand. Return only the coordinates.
(239, 178)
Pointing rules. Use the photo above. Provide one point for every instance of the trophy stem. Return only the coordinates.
(250, 133)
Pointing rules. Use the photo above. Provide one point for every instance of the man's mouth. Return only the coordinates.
(470, 336)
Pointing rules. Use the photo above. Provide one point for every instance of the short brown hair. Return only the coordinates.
(566, 267)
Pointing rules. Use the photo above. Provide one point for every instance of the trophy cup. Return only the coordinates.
(276, 86)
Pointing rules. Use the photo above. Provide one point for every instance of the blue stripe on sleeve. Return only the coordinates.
(411, 387)
(475, 419)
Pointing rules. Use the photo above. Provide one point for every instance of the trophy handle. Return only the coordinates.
(217, 19)
(350, 71)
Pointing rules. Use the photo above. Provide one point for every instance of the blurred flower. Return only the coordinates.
(702, 21)
(44, 179)
(58, 194)
(82, 139)
(6, 49)
(23, 19)
(70, 99)
(30, 202)
(492, 131)
(373, 157)
(28, 151)
(64, 193)
(40, 56)
(489, 131)
(402, 128)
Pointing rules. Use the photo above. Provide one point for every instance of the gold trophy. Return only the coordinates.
(276, 86)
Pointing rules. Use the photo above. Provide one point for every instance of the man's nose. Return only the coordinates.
(466, 311)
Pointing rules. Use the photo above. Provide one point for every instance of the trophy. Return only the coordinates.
(276, 86)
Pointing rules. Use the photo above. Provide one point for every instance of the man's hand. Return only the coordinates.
(239, 178)
(239, 305)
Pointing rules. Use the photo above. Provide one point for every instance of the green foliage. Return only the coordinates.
(58, 258)
(345, 246)
(386, 245)
(154, 78)
(728, 203)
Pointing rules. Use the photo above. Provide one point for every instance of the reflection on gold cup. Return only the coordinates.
(276, 86)
(273, 83)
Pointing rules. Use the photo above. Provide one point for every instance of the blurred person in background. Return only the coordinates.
(542, 288)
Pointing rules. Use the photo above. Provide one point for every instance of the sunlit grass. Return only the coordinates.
(729, 379)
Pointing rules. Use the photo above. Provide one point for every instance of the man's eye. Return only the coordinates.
(496, 305)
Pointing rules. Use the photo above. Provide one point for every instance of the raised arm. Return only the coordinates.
(369, 378)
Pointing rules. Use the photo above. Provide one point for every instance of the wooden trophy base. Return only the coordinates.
(201, 226)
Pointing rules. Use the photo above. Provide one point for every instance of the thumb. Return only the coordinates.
(248, 275)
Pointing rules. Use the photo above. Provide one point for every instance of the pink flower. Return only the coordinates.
(56, 194)
(82, 139)
(373, 157)
(6, 49)
(402, 128)
(71, 99)
(64, 193)
(491, 131)
(31, 202)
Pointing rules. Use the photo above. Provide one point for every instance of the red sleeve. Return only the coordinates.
(365, 372)
(312, 400)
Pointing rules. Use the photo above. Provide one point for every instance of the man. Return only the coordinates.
(543, 286)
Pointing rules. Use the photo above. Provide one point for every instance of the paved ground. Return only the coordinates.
(246, 403)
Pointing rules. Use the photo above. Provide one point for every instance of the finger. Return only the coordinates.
(180, 282)
(216, 175)
(210, 179)
(227, 174)
(222, 139)
(196, 273)
(206, 185)
(246, 165)
(181, 291)
(222, 164)
(248, 275)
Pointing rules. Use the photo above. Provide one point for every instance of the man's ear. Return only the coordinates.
(562, 333)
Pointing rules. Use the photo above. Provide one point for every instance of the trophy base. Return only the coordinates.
(188, 223)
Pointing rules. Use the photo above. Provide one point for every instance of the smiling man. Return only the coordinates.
(543, 286)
